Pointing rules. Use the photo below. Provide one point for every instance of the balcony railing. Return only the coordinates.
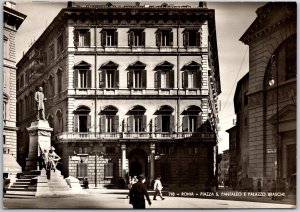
(135, 135)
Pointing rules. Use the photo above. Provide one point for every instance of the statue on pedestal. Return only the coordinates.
(40, 107)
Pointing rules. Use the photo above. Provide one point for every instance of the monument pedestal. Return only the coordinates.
(39, 136)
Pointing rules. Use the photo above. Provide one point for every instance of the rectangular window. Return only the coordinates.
(191, 37)
(4, 111)
(82, 79)
(138, 124)
(22, 81)
(109, 37)
(164, 37)
(51, 52)
(192, 80)
(59, 81)
(6, 48)
(137, 80)
(192, 123)
(59, 44)
(82, 37)
(109, 124)
(110, 79)
(136, 37)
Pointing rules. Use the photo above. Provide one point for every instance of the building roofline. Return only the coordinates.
(209, 13)
(230, 129)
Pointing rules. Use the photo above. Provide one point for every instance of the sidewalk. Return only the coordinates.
(232, 195)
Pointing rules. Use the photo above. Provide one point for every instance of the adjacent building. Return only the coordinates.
(233, 155)
(12, 19)
(131, 89)
(224, 178)
(271, 94)
(242, 134)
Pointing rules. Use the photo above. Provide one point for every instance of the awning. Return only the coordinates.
(10, 164)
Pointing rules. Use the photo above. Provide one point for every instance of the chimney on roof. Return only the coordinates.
(202, 4)
(70, 4)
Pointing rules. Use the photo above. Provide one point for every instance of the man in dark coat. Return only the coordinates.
(137, 193)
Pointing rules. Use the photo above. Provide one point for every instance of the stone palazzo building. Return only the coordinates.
(271, 93)
(131, 89)
(12, 20)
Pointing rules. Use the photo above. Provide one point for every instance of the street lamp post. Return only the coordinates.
(274, 66)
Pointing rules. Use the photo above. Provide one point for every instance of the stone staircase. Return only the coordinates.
(22, 188)
(37, 184)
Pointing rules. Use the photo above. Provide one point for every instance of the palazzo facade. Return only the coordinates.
(131, 89)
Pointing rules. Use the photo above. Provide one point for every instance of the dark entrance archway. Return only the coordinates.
(138, 159)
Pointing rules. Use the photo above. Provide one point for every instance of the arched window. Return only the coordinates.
(284, 61)
(109, 120)
(82, 119)
(164, 122)
(191, 121)
(59, 77)
(137, 121)
(51, 87)
(51, 121)
(59, 117)
(164, 75)
(192, 75)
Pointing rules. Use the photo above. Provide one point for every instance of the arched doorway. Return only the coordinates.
(137, 159)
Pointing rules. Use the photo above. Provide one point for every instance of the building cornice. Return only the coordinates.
(257, 28)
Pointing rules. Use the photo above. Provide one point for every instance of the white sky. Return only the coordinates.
(232, 20)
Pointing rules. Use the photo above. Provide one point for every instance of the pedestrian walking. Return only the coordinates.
(158, 188)
(273, 189)
(287, 187)
(137, 194)
(258, 185)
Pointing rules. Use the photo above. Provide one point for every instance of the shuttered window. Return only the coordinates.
(191, 123)
(137, 79)
(136, 37)
(164, 37)
(109, 37)
(109, 79)
(82, 37)
(109, 123)
(192, 79)
(191, 37)
(136, 123)
(82, 78)
(164, 123)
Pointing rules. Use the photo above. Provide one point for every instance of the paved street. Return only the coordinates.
(102, 198)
